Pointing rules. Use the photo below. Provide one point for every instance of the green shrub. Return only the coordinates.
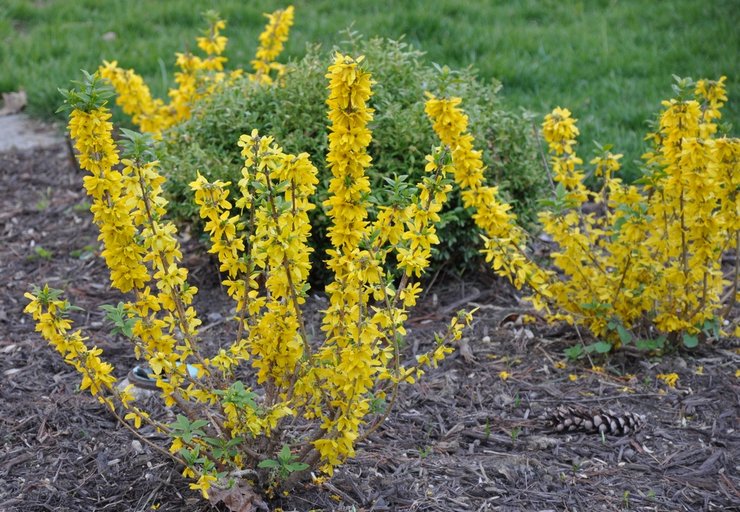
(294, 113)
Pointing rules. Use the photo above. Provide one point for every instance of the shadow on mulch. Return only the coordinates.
(468, 437)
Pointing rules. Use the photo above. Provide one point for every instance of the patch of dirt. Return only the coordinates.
(468, 437)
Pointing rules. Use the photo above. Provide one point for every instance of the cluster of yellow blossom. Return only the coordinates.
(276, 188)
(654, 252)
(351, 333)
(197, 76)
(366, 312)
(695, 203)
(135, 99)
(560, 132)
(91, 132)
(50, 314)
(272, 41)
(583, 249)
(504, 240)
(166, 314)
(640, 253)
(336, 382)
(422, 215)
(138, 246)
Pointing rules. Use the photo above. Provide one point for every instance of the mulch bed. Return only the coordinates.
(463, 439)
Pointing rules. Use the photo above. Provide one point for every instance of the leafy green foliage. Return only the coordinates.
(186, 429)
(295, 114)
(41, 252)
(117, 315)
(284, 465)
(239, 396)
(87, 95)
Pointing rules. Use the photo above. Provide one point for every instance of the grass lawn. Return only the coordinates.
(610, 62)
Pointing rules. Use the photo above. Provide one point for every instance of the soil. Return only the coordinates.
(467, 437)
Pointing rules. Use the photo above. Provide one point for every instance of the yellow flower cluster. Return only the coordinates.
(143, 255)
(135, 99)
(504, 240)
(366, 313)
(272, 41)
(582, 253)
(351, 333)
(651, 254)
(91, 132)
(213, 43)
(276, 187)
(167, 314)
(560, 132)
(695, 203)
(138, 245)
(671, 379)
(50, 313)
(197, 76)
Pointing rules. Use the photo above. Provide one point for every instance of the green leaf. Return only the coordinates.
(43, 253)
(180, 424)
(119, 317)
(690, 340)
(711, 326)
(574, 352)
(268, 464)
(285, 455)
(377, 405)
(646, 345)
(650, 345)
(296, 466)
(624, 335)
(190, 455)
(186, 430)
(602, 347)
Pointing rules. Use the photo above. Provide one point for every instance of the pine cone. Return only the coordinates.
(577, 419)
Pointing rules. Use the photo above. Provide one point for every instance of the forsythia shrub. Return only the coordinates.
(291, 111)
(308, 401)
(198, 76)
(210, 109)
(642, 265)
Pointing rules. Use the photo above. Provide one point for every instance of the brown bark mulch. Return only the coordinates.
(467, 437)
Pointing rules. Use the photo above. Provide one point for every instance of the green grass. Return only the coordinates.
(610, 62)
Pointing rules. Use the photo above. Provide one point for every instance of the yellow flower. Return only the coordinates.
(136, 416)
(204, 483)
(572, 377)
(504, 375)
(410, 293)
(560, 131)
(271, 41)
(669, 378)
